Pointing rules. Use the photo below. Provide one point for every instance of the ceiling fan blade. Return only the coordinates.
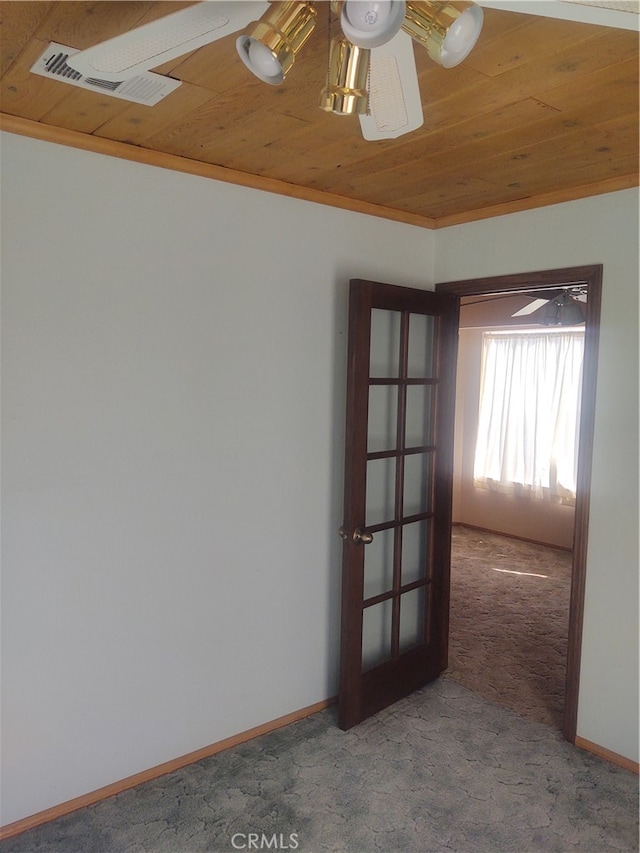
(394, 92)
(531, 307)
(148, 46)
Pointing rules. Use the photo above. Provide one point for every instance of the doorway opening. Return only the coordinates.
(508, 622)
(590, 279)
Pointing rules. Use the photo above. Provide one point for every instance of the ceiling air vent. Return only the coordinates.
(145, 88)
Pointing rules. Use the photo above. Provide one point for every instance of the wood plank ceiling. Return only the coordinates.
(542, 110)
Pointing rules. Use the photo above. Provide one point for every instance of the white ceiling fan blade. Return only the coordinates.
(531, 307)
(159, 41)
(394, 92)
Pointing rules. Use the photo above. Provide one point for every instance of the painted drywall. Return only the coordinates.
(515, 515)
(600, 230)
(173, 363)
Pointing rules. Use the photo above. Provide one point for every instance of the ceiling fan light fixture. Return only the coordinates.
(449, 32)
(571, 312)
(346, 89)
(564, 310)
(551, 316)
(270, 45)
(371, 23)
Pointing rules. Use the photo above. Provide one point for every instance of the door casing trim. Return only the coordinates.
(591, 276)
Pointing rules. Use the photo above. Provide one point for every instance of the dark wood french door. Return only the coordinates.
(398, 483)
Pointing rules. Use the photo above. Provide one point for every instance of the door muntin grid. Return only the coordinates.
(402, 399)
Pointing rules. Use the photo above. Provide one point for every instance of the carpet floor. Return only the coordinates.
(443, 771)
(473, 763)
(509, 622)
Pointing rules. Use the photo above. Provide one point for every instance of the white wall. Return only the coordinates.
(173, 399)
(603, 229)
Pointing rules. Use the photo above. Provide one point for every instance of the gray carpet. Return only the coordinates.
(443, 770)
(510, 621)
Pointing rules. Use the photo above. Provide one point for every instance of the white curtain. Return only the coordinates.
(529, 413)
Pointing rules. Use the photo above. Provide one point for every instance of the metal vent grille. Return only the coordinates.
(145, 88)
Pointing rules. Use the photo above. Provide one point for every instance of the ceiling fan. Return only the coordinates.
(564, 306)
(371, 66)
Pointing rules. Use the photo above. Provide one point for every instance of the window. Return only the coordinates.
(529, 415)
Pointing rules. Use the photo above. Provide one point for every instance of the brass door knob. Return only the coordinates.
(362, 536)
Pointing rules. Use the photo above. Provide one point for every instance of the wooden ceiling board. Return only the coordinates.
(17, 26)
(527, 43)
(542, 141)
(136, 123)
(25, 94)
(609, 83)
(83, 111)
(76, 23)
(542, 110)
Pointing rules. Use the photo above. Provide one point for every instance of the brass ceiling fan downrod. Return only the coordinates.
(346, 89)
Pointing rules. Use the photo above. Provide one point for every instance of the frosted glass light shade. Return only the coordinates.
(461, 37)
(448, 32)
(263, 62)
(270, 45)
(260, 60)
(371, 23)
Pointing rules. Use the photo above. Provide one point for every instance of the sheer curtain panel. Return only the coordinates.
(530, 391)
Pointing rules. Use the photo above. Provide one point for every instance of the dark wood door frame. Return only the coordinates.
(591, 276)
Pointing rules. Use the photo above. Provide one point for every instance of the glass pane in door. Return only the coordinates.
(412, 618)
(376, 634)
(419, 419)
(421, 346)
(378, 564)
(381, 490)
(415, 551)
(384, 358)
(417, 483)
(383, 418)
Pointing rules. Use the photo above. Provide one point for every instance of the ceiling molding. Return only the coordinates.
(124, 151)
(610, 185)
